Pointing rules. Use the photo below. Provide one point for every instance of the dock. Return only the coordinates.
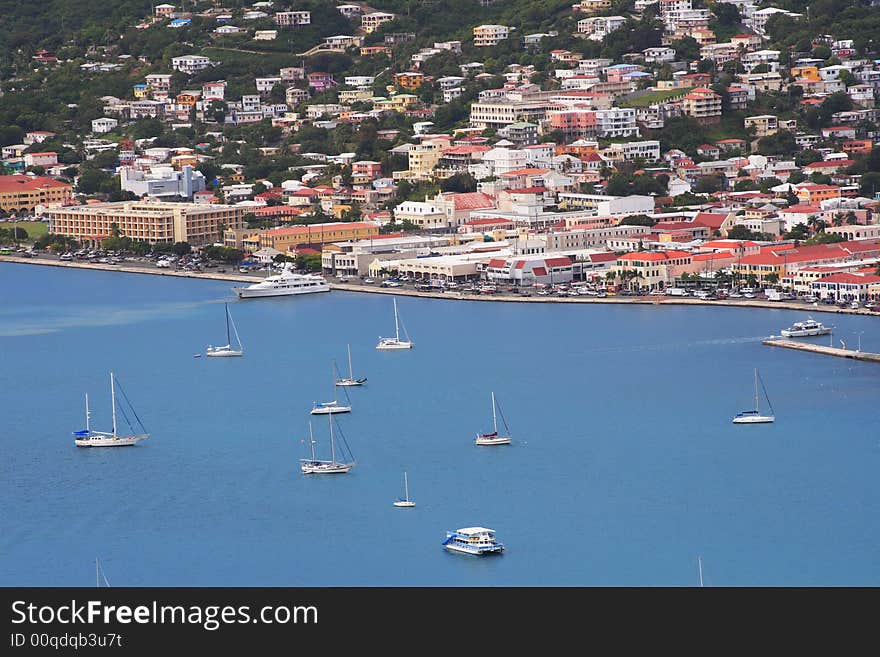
(855, 354)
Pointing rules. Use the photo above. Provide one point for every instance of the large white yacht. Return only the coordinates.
(479, 541)
(283, 284)
(806, 328)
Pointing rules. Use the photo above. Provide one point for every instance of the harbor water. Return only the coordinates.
(625, 467)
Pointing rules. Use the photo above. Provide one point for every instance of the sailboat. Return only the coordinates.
(395, 342)
(405, 503)
(755, 416)
(90, 438)
(322, 408)
(350, 381)
(227, 350)
(316, 466)
(494, 438)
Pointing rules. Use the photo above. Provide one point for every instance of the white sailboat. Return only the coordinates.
(91, 438)
(330, 407)
(226, 350)
(405, 503)
(316, 466)
(350, 381)
(494, 438)
(395, 342)
(755, 416)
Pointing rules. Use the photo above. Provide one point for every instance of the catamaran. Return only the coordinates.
(350, 381)
(405, 502)
(91, 438)
(322, 408)
(315, 466)
(395, 342)
(227, 350)
(493, 438)
(478, 541)
(755, 416)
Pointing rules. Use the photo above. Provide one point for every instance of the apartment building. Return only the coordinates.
(765, 124)
(293, 18)
(616, 122)
(490, 35)
(21, 194)
(372, 22)
(598, 27)
(147, 221)
(702, 104)
(189, 64)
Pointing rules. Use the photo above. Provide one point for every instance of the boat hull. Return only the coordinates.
(497, 440)
(348, 383)
(324, 468)
(330, 410)
(754, 419)
(247, 293)
(475, 551)
(806, 333)
(403, 504)
(110, 441)
(224, 353)
(392, 346)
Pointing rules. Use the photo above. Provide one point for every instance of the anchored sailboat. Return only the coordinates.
(90, 438)
(322, 408)
(395, 342)
(315, 466)
(350, 381)
(494, 438)
(227, 350)
(755, 416)
(405, 503)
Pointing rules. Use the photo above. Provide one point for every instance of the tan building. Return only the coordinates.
(490, 35)
(702, 104)
(24, 193)
(765, 124)
(146, 221)
(593, 6)
(372, 22)
(288, 239)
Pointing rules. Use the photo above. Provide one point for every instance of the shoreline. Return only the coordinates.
(454, 295)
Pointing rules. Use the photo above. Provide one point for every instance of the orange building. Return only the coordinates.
(24, 193)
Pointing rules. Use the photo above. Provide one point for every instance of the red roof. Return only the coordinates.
(829, 163)
(802, 209)
(539, 271)
(603, 257)
(497, 263)
(524, 172)
(710, 219)
(14, 184)
(527, 190)
(470, 200)
(654, 256)
(557, 262)
(851, 279)
(317, 228)
(466, 149)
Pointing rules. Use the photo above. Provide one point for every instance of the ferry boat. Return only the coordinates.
(806, 328)
(284, 284)
(479, 541)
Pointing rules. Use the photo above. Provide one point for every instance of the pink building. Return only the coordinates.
(321, 81)
(367, 169)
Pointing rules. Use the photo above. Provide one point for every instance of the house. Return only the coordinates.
(708, 150)
(103, 125)
(265, 35)
(189, 64)
(490, 35)
(764, 125)
(321, 81)
(373, 21)
(292, 18)
(702, 104)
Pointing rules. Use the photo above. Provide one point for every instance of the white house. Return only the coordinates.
(104, 124)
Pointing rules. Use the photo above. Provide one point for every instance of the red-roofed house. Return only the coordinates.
(827, 167)
(708, 150)
(784, 259)
(457, 206)
(649, 270)
(529, 270)
(859, 287)
(715, 221)
(24, 193)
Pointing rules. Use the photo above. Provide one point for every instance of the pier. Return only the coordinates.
(855, 354)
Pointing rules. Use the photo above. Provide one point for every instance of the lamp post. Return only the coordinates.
(859, 348)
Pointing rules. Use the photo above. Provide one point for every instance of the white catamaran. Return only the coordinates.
(316, 466)
(405, 502)
(755, 416)
(395, 342)
(350, 381)
(226, 350)
(330, 407)
(90, 438)
(494, 438)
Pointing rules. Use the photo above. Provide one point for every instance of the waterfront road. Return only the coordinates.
(231, 273)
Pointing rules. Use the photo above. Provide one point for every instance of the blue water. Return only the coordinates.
(625, 466)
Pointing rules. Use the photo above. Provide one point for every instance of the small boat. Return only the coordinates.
(806, 328)
(494, 438)
(405, 502)
(226, 350)
(755, 416)
(350, 381)
(284, 284)
(330, 407)
(315, 466)
(479, 541)
(387, 344)
(197, 355)
(91, 438)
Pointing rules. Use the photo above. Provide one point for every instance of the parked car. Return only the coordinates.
(369, 281)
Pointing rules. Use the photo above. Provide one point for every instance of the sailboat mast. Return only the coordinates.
(311, 440)
(700, 564)
(113, 401)
(97, 575)
(396, 329)
(332, 447)
(494, 420)
(350, 371)
(405, 486)
(88, 428)
(756, 389)
(228, 340)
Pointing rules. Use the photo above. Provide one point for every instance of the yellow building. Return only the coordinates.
(371, 22)
(810, 73)
(765, 124)
(397, 102)
(288, 239)
(146, 221)
(411, 80)
(24, 193)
